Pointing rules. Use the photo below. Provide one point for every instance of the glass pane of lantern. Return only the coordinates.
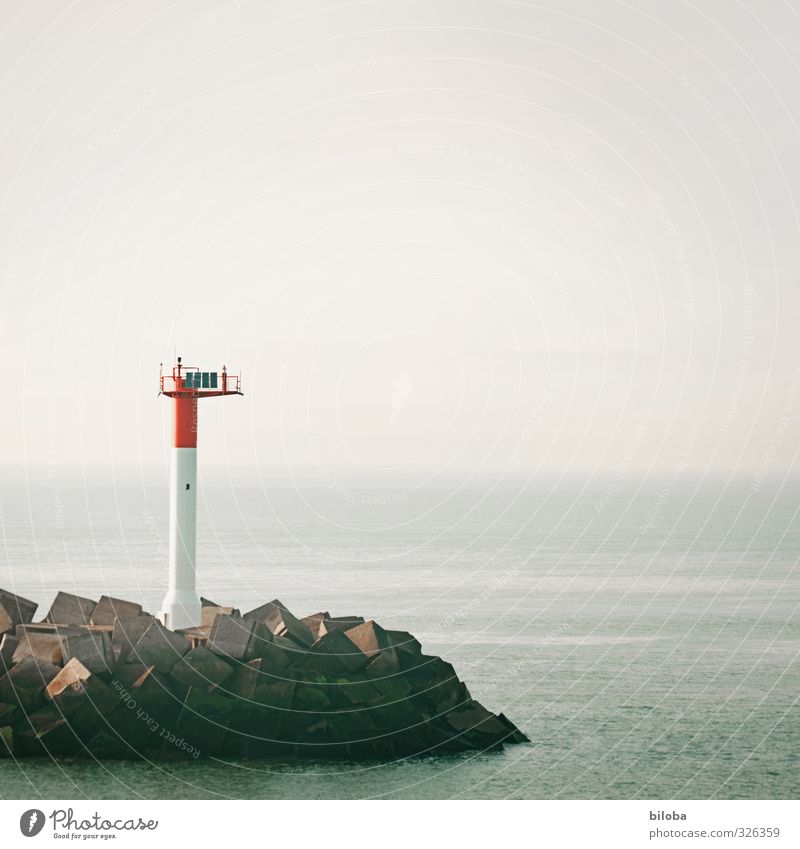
(205, 380)
(213, 379)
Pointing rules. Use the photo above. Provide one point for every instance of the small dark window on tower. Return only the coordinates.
(187, 486)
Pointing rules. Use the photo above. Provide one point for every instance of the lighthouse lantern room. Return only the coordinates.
(186, 386)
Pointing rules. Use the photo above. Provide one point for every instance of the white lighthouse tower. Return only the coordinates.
(186, 385)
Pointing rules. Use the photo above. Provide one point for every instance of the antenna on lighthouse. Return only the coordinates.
(186, 386)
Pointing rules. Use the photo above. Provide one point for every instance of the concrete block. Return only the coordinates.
(201, 669)
(475, 719)
(280, 655)
(264, 611)
(25, 682)
(387, 663)
(230, 636)
(436, 683)
(159, 647)
(147, 704)
(260, 637)
(515, 735)
(369, 637)
(15, 610)
(8, 645)
(141, 685)
(40, 628)
(208, 613)
(289, 626)
(246, 677)
(360, 694)
(6, 741)
(202, 725)
(282, 622)
(8, 714)
(404, 643)
(127, 630)
(108, 609)
(45, 734)
(395, 686)
(78, 705)
(314, 621)
(7, 624)
(92, 649)
(335, 651)
(69, 609)
(333, 623)
(75, 690)
(43, 647)
(132, 675)
(276, 694)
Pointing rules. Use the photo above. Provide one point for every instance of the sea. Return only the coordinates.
(643, 632)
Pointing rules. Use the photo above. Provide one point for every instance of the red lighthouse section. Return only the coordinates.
(187, 385)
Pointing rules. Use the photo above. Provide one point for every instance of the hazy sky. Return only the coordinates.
(434, 236)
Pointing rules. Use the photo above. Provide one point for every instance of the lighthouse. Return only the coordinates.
(186, 386)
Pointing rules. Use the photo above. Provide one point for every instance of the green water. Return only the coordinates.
(650, 662)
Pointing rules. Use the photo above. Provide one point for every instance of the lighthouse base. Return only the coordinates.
(181, 609)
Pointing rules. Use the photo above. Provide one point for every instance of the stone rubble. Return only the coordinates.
(106, 679)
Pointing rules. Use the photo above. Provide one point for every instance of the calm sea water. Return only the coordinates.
(643, 634)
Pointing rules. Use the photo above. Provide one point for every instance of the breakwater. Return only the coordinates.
(106, 679)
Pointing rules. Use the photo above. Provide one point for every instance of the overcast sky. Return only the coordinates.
(435, 237)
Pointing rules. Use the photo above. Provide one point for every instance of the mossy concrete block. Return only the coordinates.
(435, 682)
(45, 734)
(147, 705)
(386, 664)
(108, 609)
(92, 648)
(6, 741)
(70, 609)
(359, 693)
(474, 719)
(406, 644)
(42, 647)
(8, 713)
(515, 735)
(80, 694)
(276, 693)
(280, 654)
(200, 668)
(25, 682)
(202, 724)
(393, 686)
(244, 680)
(230, 636)
(159, 647)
